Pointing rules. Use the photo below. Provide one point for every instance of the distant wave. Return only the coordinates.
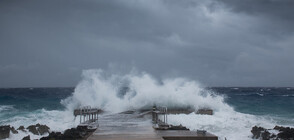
(6, 107)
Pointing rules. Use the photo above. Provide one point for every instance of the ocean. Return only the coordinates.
(236, 109)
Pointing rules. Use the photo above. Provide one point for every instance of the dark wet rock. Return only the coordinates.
(42, 129)
(22, 128)
(38, 129)
(258, 132)
(265, 135)
(12, 129)
(285, 133)
(70, 134)
(26, 138)
(4, 131)
(278, 127)
(33, 129)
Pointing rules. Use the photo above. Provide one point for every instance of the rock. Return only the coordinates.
(26, 138)
(257, 131)
(70, 134)
(286, 133)
(42, 129)
(205, 111)
(4, 131)
(22, 128)
(33, 129)
(38, 129)
(12, 129)
(265, 135)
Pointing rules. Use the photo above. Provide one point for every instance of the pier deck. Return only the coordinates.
(136, 127)
(124, 127)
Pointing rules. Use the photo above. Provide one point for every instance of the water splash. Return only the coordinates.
(114, 92)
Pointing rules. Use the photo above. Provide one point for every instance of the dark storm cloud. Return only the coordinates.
(219, 43)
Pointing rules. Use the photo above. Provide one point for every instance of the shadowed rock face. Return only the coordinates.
(4, 131)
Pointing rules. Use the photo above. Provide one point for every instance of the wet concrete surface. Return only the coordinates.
(139, 127)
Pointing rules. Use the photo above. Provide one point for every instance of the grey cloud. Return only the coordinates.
(219, 43)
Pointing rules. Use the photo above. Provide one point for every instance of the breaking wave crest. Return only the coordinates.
(114, 92)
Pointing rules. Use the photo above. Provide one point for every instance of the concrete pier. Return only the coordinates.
(137, 127)
(124, 127)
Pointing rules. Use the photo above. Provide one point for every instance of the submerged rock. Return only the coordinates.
(4, 131)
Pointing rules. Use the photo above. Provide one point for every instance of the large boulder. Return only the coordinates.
(4, 131)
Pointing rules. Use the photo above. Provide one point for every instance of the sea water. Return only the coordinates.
(236, 109)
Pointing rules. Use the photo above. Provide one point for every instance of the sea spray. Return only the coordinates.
(115, 93)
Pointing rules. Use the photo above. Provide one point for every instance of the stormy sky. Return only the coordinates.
(47, 43)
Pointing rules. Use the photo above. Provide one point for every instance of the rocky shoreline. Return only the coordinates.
(78, 133)
(282, 133)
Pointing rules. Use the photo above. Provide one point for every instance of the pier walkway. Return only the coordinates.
(124, 127)
(130, 126)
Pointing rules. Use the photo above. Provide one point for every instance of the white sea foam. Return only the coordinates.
(6, 107)
(225, 124)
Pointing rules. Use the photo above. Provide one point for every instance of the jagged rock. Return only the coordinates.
(257, 131)
(22, 128)
(26, 138)
(42, 129)
(265, 135)
(4, 131)
(38, 129)
(12, 129)
(33, 129)
(70, 134)
(278, 127)
(286, 133)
